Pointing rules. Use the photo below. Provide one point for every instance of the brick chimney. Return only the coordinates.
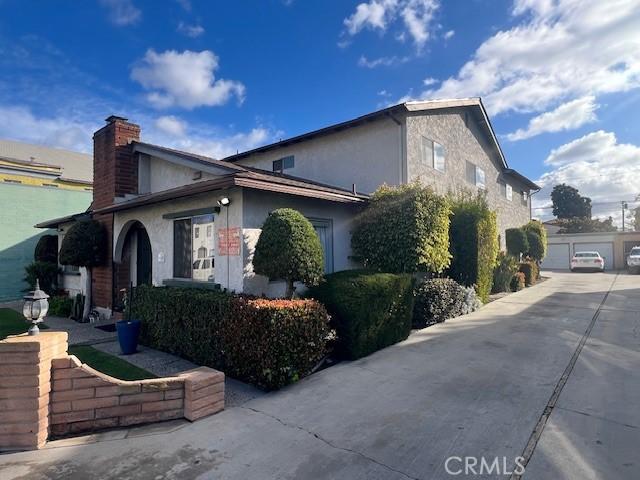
(115, 174)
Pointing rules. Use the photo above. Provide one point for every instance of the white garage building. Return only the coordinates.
(613, 246)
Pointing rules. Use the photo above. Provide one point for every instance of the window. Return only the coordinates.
(433, 154)
(475, 175)
(471, 173)
(480, 178)
(509, 192)
(11, 180)
(324, 230)
(525, 197)
(283, 163)
(190, 249)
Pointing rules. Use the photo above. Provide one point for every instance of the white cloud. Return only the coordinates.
(598, 166)
(122, 12)
(561, 49)
(192, 31)
(416, 15)
(171, 125)
(20, 123)
(381, 62)
(430, 81)
(448, 34)
(567, 116)
(185, 4)
(184, 79)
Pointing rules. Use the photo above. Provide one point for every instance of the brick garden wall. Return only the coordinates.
(44, 391)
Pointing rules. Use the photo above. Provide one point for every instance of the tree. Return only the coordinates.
(541, 247)
(404, 229)
(568, 203)
(587, 225)
(636, 219)
(47, 249)
(517, 242)
(85, 245)
(536, 248)
(289, 249)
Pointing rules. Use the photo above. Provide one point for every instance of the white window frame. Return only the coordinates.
(508, 192)
(481, 178)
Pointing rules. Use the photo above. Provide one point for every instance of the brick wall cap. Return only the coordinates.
(42, 340)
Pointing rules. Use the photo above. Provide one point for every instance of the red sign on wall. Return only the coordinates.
(229, 241)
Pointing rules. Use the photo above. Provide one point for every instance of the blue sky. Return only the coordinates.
(560, 78)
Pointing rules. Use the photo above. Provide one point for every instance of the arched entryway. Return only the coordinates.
(133, 257)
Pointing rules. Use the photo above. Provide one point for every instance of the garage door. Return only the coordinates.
(605, 249)
(557, 257)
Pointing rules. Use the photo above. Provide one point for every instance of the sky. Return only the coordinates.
(559, 78)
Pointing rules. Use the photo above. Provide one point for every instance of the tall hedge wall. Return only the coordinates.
(403, 229)
(474, 244)
(369, 310)
(269, 343)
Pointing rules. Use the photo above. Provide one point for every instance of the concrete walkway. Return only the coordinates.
(475, 386)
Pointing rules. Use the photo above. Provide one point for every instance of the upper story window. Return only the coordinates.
(509, 192)
(476, 175)
(193, 253)
(433, 154)
(525, 196)
(283, 163)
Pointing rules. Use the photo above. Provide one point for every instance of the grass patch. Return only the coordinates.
(109, 364)
(13, 323)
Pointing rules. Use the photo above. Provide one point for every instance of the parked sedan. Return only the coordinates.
(587, 261)
(633, 260)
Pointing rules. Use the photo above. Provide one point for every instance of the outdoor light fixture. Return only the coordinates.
(224, 202)
(35, 308)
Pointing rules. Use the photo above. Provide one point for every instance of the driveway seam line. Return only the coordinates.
(532, 443)
(604, 419)
(327, 442)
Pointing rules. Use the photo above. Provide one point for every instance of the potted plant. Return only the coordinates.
(128, 329)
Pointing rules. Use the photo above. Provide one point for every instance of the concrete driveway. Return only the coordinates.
(551, 371)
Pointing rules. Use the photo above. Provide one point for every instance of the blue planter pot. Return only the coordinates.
(128, 333)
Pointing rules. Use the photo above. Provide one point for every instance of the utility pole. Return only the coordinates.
(624, 207)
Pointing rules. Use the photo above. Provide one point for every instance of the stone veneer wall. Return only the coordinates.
(44, 391)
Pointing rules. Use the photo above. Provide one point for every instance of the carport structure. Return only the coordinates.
(613, 246)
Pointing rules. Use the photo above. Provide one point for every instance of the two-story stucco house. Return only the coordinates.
(180, 218)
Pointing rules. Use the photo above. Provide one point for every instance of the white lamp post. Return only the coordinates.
(35, 308)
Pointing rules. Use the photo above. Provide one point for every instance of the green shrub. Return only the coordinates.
(289, 249)
(536, 247)
(437, 300)
(46, 249)
(474, 244)
(530, 271)
(369, 311)
(471, 300)
(537, 227)
(517, 282)
(503, 272)
(60, 306)
(516, 240)
(404, 229)
(85, 244)
(269, 343)
(46, 273)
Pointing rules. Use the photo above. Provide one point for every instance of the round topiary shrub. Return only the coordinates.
(536, 246)
(516, 240)
(84, 245)
(46, 249)
(436, 300)
(289, 249)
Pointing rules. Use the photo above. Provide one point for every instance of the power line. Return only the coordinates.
(613, 202)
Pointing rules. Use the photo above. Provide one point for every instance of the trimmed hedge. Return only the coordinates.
(60, 306)
(530, 271)
(437, 300)
(517, 242)
(474, 244)
(504, 272)
(369, 310)
(536, 226)
(517, 282)
(269, 343)
(404, 229)
(46, 249)
(85, 244)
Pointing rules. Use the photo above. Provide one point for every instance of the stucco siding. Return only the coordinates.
(258, 205)
(164, 175)
(462, 142)
(367, 155)
(160, 231)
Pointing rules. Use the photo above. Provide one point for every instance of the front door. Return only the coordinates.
(143, 258)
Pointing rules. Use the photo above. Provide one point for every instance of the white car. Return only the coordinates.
(587, 261)
(633, 260)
